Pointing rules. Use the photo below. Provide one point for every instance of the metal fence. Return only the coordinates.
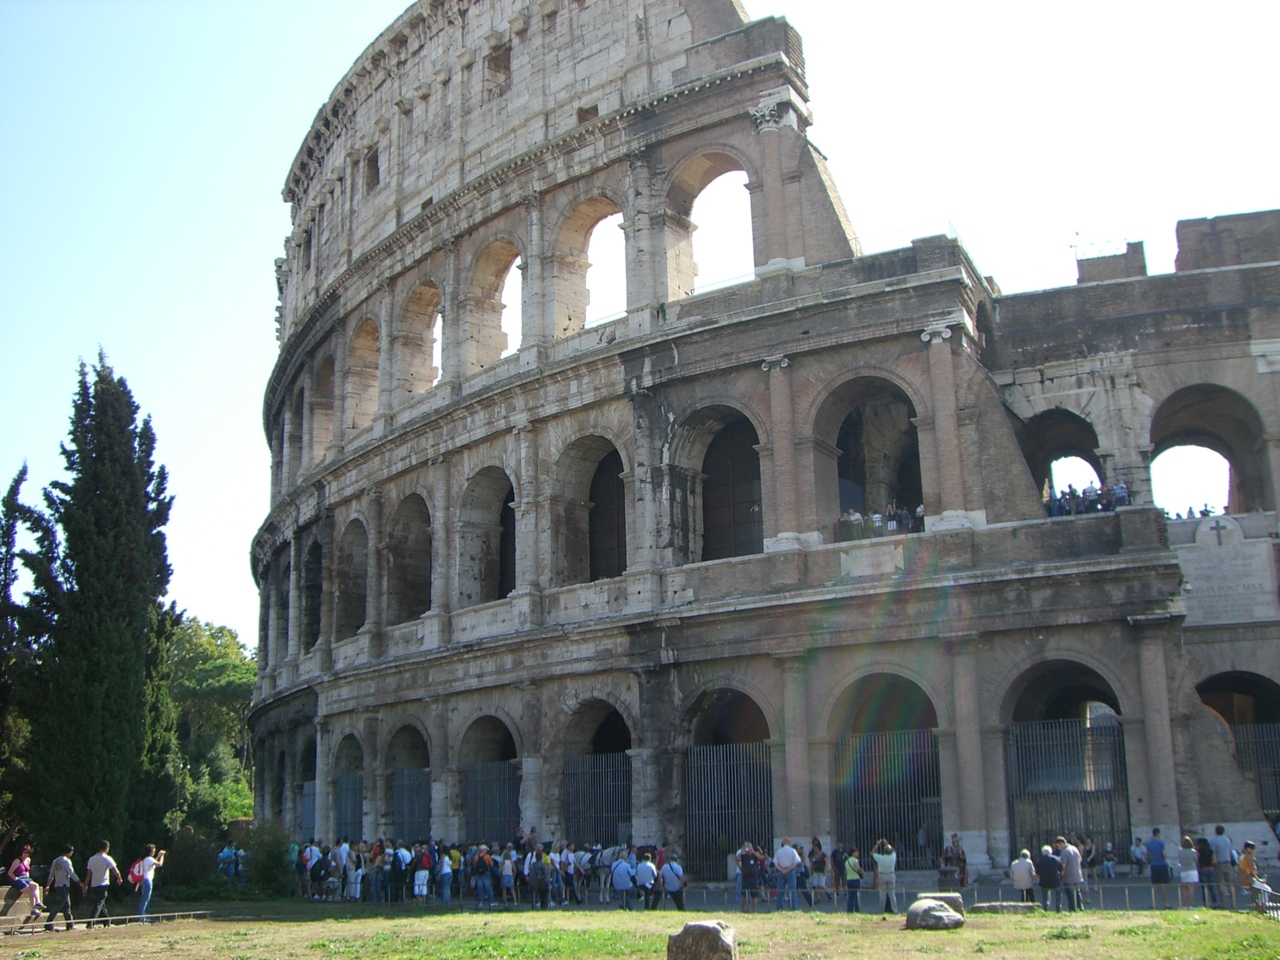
(1064, 777)
(1258, 753)
(728, 799)
(888, 785)
(597, 798)
(306, 810)
(411, 804)
(348, 812)
(492, 793)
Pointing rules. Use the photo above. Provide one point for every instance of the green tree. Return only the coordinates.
(12, 647)
(96, 629)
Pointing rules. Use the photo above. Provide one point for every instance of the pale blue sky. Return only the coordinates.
(145, 144)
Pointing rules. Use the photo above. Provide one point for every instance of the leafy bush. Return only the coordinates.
(270, 868)
(190, 862)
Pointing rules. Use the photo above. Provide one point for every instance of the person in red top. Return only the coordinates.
(20, 877)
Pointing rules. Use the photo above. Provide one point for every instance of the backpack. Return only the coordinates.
(426, 863)
(538, 872)
(135, 872)
(318, 870)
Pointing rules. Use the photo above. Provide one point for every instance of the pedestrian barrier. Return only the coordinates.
(10, 926)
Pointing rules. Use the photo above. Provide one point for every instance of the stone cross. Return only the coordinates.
(1217, 527)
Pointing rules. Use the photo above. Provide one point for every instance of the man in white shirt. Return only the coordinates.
(787, 860)
(622, 876)
(61, 875)
(646, 876)
(886, 873)
(101, 869)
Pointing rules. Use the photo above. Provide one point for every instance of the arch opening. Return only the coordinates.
(590, 518)
(732, 506)
(352, 577)
(869, 462)
(607, 520)
(312, 594)
(710, 196)
(322, 410)
(597, 775)
(362, 376)
(597, 728)
(278, 788)
(1064, 690)
(589, 283)
(727, 716)
(409, 560)
(417, 345)
(487, 740)
(348, 773)
(1221, 420)
(408, 760)
(491, 315)
(305, 791)
(1060, 448)
(487, 539)
(887, 774)
(1193, 479)
(491, 782)
(1241, 698)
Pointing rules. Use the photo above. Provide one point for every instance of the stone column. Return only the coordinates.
(371, 795)
(386, 384)
(536, 324)
(288, 466)
(295, 598)
(823, 826)
(1152, 635)
(795, 723)
(773, 244)
(289, 814)
(452, 356)
(324, 788)
(277, 465)
(973, 800)
(339, 394)
(306, 450)
(325, 643)
(641, 246)
(946, 431)
(646, 816)
(531, 792)
(784, 453)
(375, 600)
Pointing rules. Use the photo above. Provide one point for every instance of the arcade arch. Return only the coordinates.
(348, 789)
(589, 229)
(416, 343)
(312, 595)
(597, 775)
(732, 504)
(1241, 698)
(408, 761)
(409, 560)
(590, 517)
(486, 539)
(494, 292)
(306, 789)
(869, 458)
(693, 178)
(491, 781)
(1054, 436)
(362, 376)
(322, 409)
(351, 576)
(1215, 417)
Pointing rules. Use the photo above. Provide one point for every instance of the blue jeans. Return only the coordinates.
(446, 887)
(484, 889)
(851, 903)
(627, 896)
(1057, 898)
(787, 890)
(145, 898)
(1075, 900)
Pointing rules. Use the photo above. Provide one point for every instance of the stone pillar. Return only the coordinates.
(531, 793)
(795, 724)
(385, 358)
(295, 598)
(370, 793)
(306, 450)
(446, 800)
(1152, 635)
(277, 465)
(375, 601)
(264, 619)
(784, 453)
(823, 826)
(289, 814)
(324, 788)
(452, 357)
(339, 394)
(325, 643)
(642, 247)
(973, 800)
(536, 324)
(288, 466)
(774, 241)
(998, 839)
(646, 815)
(946, 425)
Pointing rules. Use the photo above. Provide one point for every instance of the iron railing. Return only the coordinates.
(348, 807)
(492, 796)
(597, 798)
(728, 799)
(306, 812)
(411, 804)
(1258, 753)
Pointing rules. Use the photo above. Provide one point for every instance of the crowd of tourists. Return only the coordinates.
(1092, 499)
(100, 871)
(854, 525)
(1207, 868)
(793, 873)
(492, 874)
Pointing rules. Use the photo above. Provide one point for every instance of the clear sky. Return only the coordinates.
(145, 145)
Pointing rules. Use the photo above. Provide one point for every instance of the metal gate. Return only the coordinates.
(597, 798)
(728, 793)
(1258, 753)
(411, 804)
(492, 792)
(348, 807)
(1064, 777)
(888, 786)
(307, 810)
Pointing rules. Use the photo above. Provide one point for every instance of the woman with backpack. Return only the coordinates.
(143, 873)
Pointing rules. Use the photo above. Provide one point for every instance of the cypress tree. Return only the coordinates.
(99, 571)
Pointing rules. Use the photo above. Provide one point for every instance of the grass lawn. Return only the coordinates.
(289, 931)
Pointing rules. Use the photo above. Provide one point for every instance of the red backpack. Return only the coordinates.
(135, 872)
(426, 863)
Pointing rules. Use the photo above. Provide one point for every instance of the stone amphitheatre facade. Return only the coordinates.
(591, 584)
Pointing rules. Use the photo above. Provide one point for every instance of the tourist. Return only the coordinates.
(837, 868)
(853, 874)
(20, 879)
(751, 872)
(1049, 872)
(788, 862)
(673, 880)
(1138, 854)
(621, 875)
(1247, 875)
(1023, 873)
(953, 855)
(1206, 873)
(1072, 873)
(101, 868)
(1160, 872)
(886, 874)
(646, 877)
(482, 868)
(1223, 859)
(1188, 872)
(818, 865)
(147, 867)
(61, 875)
(536, 872)
(1109, 862)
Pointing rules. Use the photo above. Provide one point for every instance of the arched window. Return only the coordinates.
(732, 523)
(1060, 448)
(297, 421)
(708, 197)
(491, 782)
(1189, 480)
(362, 376)
(322, 410)
(415, 346)
(491, 313)
(589, 265)
(312, 595)
(487, 539)
(409, 560)
(352, 577)
(348, 790)
(597, 775)
(607, 521)
(1216, 419)
(409, 763)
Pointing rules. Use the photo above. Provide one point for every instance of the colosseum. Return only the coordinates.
(595, 581)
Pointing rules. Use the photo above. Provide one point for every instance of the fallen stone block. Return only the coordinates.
(705, 940)
(952, 900)
(1004, 907)
(932, 915)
